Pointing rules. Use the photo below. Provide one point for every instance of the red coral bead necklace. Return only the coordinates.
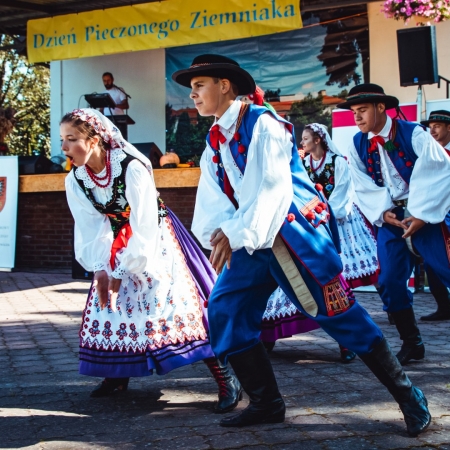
(320, 165)
(96, 179)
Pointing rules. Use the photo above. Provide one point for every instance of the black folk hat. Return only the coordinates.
(368, 93)
(219, 67)
(440, 115)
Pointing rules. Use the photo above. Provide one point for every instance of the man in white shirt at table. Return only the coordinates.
(117, 94)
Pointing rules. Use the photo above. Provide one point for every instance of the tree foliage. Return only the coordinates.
(187, 139)
(308, 110)
(346, 44)
(26, 88)
(272, 95)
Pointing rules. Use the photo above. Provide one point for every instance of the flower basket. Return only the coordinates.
(424, 11)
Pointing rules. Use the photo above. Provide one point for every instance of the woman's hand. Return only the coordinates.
(113, 289)
(101, 281)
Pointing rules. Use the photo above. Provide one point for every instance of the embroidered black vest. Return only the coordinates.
(117, 208)
(326, 177)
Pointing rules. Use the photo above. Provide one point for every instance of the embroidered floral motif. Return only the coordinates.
(179, 325)
(192, 322)
(149, 331)
(94, 330)
(164, 329)
(133, 333)
(107, 333)
(121, 332)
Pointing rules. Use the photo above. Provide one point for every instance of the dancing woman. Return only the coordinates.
(326, 166)
(144, 311)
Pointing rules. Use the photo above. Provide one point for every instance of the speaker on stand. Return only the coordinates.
(417, 59)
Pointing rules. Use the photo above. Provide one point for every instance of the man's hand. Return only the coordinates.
(391, 218)
(100, 283)
(221, 252)
(412, 224)
(113, 289)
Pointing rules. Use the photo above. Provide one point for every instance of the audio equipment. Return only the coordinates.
(151, 151)
(417, 56)
(38, 164)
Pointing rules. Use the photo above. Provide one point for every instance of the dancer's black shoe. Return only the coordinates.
(413, 404)
(254, 371)
(412, 347)
(110, 385)
(230, 390)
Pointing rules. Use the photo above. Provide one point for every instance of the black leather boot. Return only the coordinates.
(441, 295)
(390, 319)
(268, 346)
(346, 354)
(412, 347)
(413, 404)
(110, 385)
(255, 373)
(230, 390)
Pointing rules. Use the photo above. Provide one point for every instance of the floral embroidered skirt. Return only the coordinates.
(160, 323)
(358, 250)
(282, 319)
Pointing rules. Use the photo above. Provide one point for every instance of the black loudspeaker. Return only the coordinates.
(417, 57)
(151, 151)
(38, 164)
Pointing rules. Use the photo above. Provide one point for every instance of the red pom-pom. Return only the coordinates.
(217, 173)
(370, 169)
(370, 161)
(215, 159)
(322, 205)
(319, 187)
(241, 148)
(401, 154)
(397, 144)
(310, 216)
(318, 209)
(409, 163)
(205, 303)
(290, 217)
(237, 136)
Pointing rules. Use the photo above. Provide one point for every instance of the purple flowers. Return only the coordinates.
(437, 11)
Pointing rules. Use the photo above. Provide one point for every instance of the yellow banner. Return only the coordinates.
(157, 25)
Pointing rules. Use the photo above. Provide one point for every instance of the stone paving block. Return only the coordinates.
(350, 443)
(394, 441)
(234, 439)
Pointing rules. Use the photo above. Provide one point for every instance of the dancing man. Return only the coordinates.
(401, 177)
(268, 226)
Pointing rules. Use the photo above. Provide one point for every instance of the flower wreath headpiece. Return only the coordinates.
(321, 131)
(99, 127)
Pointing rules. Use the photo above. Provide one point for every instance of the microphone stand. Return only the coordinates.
(122, 90)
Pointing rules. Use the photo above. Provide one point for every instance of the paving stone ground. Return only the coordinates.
(45, 403)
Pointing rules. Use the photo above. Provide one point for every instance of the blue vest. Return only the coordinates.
(403, 157)
(313, 242)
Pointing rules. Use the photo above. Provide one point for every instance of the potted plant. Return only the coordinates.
(424, 11)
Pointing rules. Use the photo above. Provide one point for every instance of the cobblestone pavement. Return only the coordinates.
(45, 403)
